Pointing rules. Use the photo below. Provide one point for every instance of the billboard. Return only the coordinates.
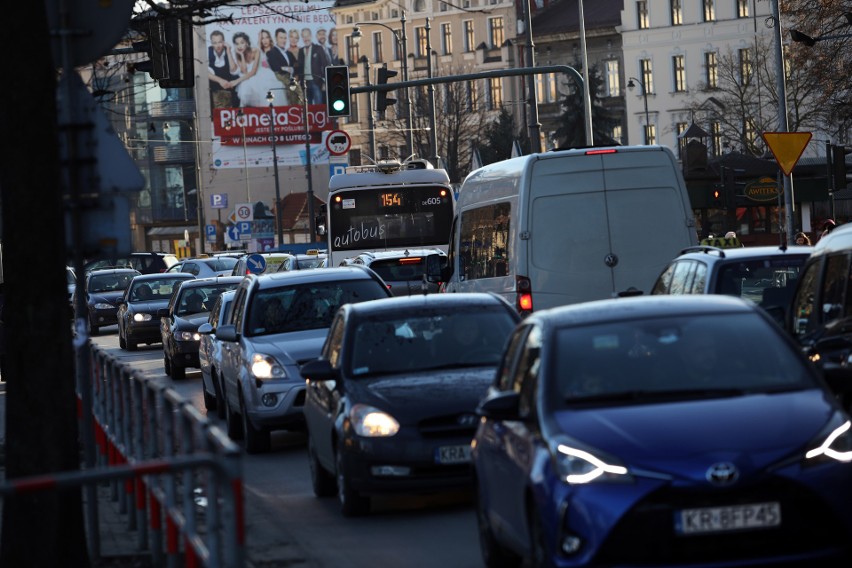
(280, 48)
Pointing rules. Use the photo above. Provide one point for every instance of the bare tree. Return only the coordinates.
(744, 100)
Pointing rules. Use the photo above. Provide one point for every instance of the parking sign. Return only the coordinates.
(219, 200)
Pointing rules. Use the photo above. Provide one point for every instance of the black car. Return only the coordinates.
(391, 401)
(104, 289)
(138, 321)
(144, 262)
(188, 308)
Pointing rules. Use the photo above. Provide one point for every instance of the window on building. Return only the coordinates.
(642, 20)
(711, 70)
(617, 134)
(353, 109)
(677, 12)
(647, 72)
(650, 134)
(378, 56)
(680, 128)
(612, 79)
(749, 130)
(471, 99)
(495, 32)
(446, 39)
(469, 44)
(443, 6)
(709, 10)
(679, 74)
(419, 5)
(397, 50)
(495, 93)
(742, 8)
(421, 43)
(353, 53)
(716, 137)
(744, 56)
(545, 86)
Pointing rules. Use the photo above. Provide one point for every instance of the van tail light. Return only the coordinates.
(523, 288)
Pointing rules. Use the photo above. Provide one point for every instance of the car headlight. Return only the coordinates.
(835, 442)
(141, 317)
(187, 336)
(104, 306)
(266, 367)
(371, 422)
(578, 466)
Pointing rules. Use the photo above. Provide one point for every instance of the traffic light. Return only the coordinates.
(716, 197)
(383, 101)
(337, 90)
(170, 51)
(838, 166)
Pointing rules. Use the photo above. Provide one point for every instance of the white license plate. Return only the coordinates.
(453, 454)
(731, 518)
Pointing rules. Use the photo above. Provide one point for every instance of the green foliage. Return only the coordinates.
(572, 130)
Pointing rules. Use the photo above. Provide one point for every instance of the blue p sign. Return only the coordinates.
(219, 200)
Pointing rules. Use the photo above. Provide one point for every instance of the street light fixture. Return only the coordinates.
(279, 230)
(403, 41)
(809, 41)
(631, 85)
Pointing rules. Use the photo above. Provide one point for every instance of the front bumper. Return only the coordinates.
(100, 318)
(282, 409)
(144, 331)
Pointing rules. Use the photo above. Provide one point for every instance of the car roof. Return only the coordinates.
(404, 304)
(838, 239)
(199, 282)
(295, 277)
(742, 253)
(400, 253)
(641, 307)
(112, 271)
(165, 276)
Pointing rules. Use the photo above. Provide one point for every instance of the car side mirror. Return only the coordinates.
(319, 370)
(435, 264)
(205, 329)
(502, 406)
(163, 313)
(227, 333)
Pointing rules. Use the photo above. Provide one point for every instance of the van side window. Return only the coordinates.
(483, 244)
(804, 318)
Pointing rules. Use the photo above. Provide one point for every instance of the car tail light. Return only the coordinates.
(602, 151)
(409, 260)
(523, 288)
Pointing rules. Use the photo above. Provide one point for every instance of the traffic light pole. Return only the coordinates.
(566, 69)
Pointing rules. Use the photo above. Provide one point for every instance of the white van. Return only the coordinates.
(569, 226)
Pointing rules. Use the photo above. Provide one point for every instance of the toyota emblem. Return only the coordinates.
(723, 473)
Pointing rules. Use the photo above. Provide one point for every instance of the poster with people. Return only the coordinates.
(280, 49)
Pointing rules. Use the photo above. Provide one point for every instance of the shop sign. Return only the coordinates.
(762, 190)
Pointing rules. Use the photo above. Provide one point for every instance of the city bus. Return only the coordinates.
(388, 206)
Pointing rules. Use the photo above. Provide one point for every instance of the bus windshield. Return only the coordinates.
(380, 218)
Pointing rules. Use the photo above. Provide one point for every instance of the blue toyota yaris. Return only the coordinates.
(661, 431)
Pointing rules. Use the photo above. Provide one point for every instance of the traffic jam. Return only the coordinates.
(608, 403)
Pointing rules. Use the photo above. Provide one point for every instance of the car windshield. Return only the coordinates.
(160, 289)
(766, 281)
(305, 262)
(306, 306)
(110, 282)
(700, 356)
(399, 269)
(433, 340)
(200, 299)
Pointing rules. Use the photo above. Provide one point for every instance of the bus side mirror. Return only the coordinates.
(320, 224)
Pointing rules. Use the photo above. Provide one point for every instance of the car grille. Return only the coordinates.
(449, 425)
(646, 533)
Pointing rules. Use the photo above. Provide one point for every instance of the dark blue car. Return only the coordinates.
(661, 431)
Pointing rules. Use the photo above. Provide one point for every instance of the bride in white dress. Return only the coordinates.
(255, 76)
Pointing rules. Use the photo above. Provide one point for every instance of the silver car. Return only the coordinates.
(277, 322)
(210, 354)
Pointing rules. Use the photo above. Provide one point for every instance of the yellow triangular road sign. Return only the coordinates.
(787, 147)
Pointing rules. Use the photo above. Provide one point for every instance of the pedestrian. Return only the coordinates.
(802, 239)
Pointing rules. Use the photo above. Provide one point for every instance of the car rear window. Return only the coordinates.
(766, 281)
(399, 269)
(110, 282)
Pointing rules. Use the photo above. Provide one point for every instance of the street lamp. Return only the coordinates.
(311, 220)
(401, 40)
(270, 98)
(631, 85)
(810, 41)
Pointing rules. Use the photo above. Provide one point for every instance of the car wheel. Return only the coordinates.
(235, 429)
(352, 503)
(167, 365)
(210, 401)
(321, 480)
(257, 440)
(220, 394)
(539, 558)
(494, 554)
